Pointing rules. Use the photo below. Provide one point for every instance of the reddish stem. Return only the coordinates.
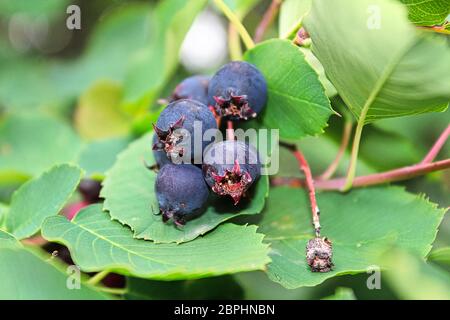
(388, 176)
(267, 20)
(328, 173)
(34, 241)
(304, 166)
(437, 146)
(372, 179)
(230, 130)
(216, 116)
(286, 181)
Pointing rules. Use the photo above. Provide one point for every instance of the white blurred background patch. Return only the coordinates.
(205, 45)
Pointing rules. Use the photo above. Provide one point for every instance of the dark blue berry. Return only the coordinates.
(194, 88)
(231, 167)
(238, 91)
(183, 114)
(181, 191)
(90, 190)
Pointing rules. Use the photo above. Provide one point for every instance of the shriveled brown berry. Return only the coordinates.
(319, 253)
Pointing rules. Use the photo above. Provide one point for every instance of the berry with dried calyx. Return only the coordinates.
(175, 129)
(159, 155)
(231, 167)
(238, 91)
(181, 192)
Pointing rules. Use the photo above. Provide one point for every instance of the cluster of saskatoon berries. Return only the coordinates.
(237, 92)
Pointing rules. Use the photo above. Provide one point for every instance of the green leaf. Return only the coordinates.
(98, 114)
(97, 243)
(29, 144)
(130, 198)
(413, 279)
(3, 210)
(420, 130)
(427, 13)
(361, 224)
(385, 150)
(291, 16)
(48, 8)
(40, 198)
(297, 104)
(26, 274)
(411, 77)
(49, 84)
(97, 157)
(217, 288)
(154, 64)
(34, 78)
(330, 91)
(441, 255)
(115, 40)
(342, 294)
(8, 240)
(257, 286)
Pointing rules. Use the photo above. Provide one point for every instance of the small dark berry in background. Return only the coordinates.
(90, 190)
(319, 253)
(59, 251)
(238, 91)
(114, 280)
(181, 192)
(183, 114)
(231, 167)
(194, 88)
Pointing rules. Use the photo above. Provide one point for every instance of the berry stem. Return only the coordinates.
(97, 278)
(230, 130)
(328, 173)
(233, 18)
(267, 20)
(304, 166)
(434, 151)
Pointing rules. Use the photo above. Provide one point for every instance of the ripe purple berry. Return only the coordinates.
(181, 191)
(238, 91)
(183, 114)
(194, 88)
(90, 190)
(231, 167)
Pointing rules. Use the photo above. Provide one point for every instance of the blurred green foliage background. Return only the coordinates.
(82, 95)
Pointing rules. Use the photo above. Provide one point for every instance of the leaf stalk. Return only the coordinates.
(233, 18)
(97, 278)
